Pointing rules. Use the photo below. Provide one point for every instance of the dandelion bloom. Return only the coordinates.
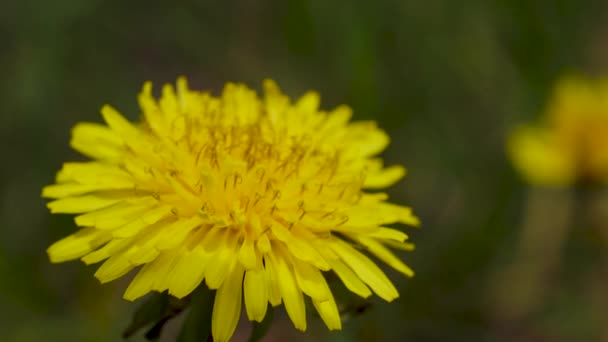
(257, 197)
(570, 144)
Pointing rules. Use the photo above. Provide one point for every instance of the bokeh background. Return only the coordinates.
(447, 79)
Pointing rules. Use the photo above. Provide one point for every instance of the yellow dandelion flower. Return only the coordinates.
(570, 144)
(256, 197)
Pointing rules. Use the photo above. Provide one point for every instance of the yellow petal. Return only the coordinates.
(214, 239)
(398, 213)
(383, 178)
(161, 282)
(115, 267)
(291, 293)
(310, 280)
(256, 294)
(111, 248)
(364, 139)
(366, 270)
(328, 310)
(309, 102)
(147, 276)
(385, 255)
(149, 218)
(81, 204)
(192, 200)
(227, 306)
(263, 244)
(349, 278)
(247, 255)
(275, 102)
(177, 231)
(404, 246)
(389, 234)
(298, 247)
(117, 122)
(187, 273)
(116, 215)
(222, 259)
(304, 251)
(240, 103)
(77, 244)
(272, 277)
(75, 189)
(338, 118)
(96, 141)
(92, 173)
(168, 103)
(142, 283)
(182, 90)
(143, 255)
(133, 137)
(151, 111)
(378, 214)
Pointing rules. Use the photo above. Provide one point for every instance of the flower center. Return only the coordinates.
(249, 178)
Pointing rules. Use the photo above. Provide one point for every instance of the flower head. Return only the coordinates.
(257, 197)
(571, 142)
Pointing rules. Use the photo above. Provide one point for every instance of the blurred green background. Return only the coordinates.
(447, 79)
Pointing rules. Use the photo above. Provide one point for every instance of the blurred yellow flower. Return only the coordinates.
(256, 197)
(570, 144)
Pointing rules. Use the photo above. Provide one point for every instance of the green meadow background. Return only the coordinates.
(447, 79)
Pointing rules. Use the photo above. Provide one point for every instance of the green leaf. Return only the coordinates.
(197, 326)
(260, 329)
(154, 309)
(154, 333)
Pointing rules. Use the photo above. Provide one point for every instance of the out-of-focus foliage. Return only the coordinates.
(446, 79)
